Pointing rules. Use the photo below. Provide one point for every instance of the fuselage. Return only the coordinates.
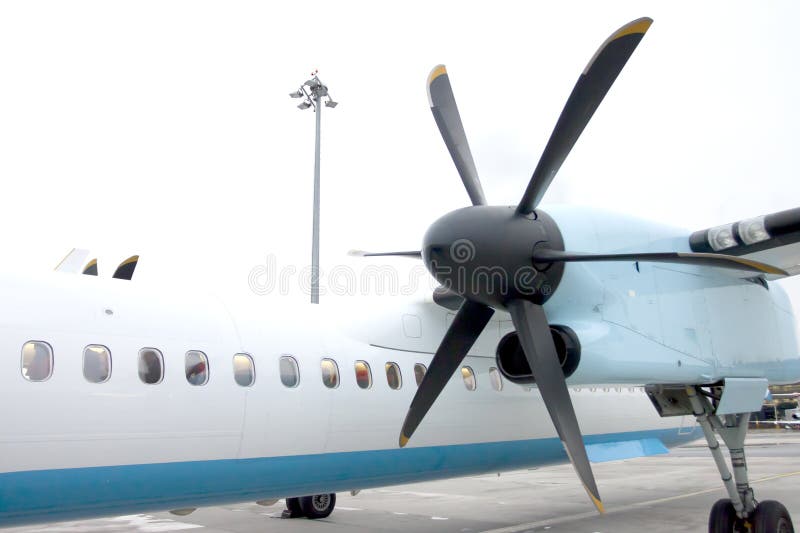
(73, 448)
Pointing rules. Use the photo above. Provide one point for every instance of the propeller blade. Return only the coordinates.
(687, 258)
(445, 112)
(589, 91)
(126, 268)
(91, 268)
(362, 253)
(467, 325)
(537, 342)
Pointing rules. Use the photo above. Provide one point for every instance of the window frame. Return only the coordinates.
(369, 374)
(51, 360)
(296, 367)
(335, 371)
(392, 364)
(161, 361)
(469, 378)
(252, 368)
(497, 384)
(207, 367)
(424, 368)
(109, 358)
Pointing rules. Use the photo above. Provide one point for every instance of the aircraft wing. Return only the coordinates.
(772, 239)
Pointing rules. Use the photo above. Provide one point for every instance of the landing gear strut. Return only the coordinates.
(740, 512)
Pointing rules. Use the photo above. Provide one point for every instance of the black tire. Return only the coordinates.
(318, 505)
(771, 517)
(293, 506)
(723, 519)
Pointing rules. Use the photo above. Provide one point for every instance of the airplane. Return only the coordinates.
(570, 334)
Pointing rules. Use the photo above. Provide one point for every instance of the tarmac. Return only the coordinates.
(663, 493)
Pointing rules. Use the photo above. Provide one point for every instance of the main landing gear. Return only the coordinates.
(740, 512)
(313, 507)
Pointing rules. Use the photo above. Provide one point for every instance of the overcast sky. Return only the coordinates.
(165, 128)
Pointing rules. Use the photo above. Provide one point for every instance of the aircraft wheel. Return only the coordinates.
(771, 517)
(723, 519)
(293, 509)
(318, 505)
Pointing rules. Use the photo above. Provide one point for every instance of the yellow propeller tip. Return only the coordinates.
(597, 503)
(595, 499)
(403, 440)
(437, 71)
(637, 26)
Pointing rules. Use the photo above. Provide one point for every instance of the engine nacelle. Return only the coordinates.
(514, 365)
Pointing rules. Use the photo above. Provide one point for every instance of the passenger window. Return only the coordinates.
(330, 373)
(244, 370)
(419, 373)
(96, 363)
(37, 361)
(469, 378)
(496, 379)
(196, 368)
(393, 377)
(363, 375)
(290, 373)
(151, 366)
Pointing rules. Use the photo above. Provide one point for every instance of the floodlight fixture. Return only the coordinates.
(297, 94)
(330, 103)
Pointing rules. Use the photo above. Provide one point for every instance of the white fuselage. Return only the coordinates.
(71, 448)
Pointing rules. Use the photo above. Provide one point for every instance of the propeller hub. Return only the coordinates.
(484, 253)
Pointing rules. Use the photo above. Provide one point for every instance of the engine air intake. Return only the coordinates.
(514, 365)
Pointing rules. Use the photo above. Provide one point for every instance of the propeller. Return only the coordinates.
(90, 269)
(686, 258)
(522, 250)
(126, 268)
(362, 253)
(545, 255)
(467, 325)
(537, 343)
(589, 91)
(485, 236)
(445, 113)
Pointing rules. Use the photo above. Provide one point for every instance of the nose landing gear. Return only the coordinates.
(740, 512)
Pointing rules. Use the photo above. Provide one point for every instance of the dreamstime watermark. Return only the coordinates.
(491, 280)
(462, 251)
(455, 273)
(341, 280)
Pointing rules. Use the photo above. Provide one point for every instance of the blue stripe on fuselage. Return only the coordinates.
(75, 493)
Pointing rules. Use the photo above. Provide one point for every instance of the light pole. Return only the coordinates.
(312, 92)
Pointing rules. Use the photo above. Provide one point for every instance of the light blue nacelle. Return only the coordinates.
(666, 323)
